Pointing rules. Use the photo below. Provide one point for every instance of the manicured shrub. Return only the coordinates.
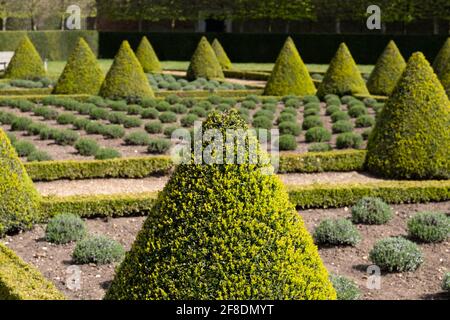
(19, 200)
(336, 232)
(35, 128)
(169, 130)
(126, 78)
(264, 113)
(188, 120)
(113, 131)
(21, 124)
(287, 142)
(317, 134)
(289, 127)
(429, 226)
(339, 116)
(204, 63)
(388, 70)
(178, 108)
(132, 122)
(269, 106)
(149, 113)
(311, 122)
(147, 57)
(38, 156)
(158, 146)
(24, 148)
(168, 117)
(48, 133)
(46, 112)
(225, 222)
(311, 112)
(82, 73)
(289, 75)
(137, 138)
(66, 137)
(445, 78)
(370, 210)
(342, 126)
(221, 55)
(248, 104)
(290, 111)
(119, 105)
(396, 254)
(262, 122)
(93, 127)
(357, 110)
(107, 153)
(154, 127)
(87, 147)
(446, 282)
(98, 250)
(343, 76)
(412, 124)
(346, 289)
(319, 147)
(204, 105)
(349, 140)
(312, 105)
(442, 58)
(134, 109)
(65, 228)
(310, 98)
(364, 121)
(286, 117)
(12, 137)
(99, 113)
(293, 103)
(65, 118)
(26, 62)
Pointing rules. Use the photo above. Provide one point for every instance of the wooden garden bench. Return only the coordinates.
(5, 58)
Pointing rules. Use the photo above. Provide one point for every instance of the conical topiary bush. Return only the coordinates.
(204, 63)
(442, 59)
(445, 78)
(147, 57)
(19, 200)
(289, 75)
(343, 76)
(221, 55)
(411, 138)
(222, 231)
(82, 73)
(126, 78)
(26, 62)
(388, 69)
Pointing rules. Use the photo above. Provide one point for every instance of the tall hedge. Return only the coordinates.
(126, 78)
(411, 138)
(26, 62)
(343, 76)
(222, 231)
(388, 70)
(442, 59)
(221, 55)
(82, 73)
(289, 75)
(147, 57)
(204, 63)
(19, 200)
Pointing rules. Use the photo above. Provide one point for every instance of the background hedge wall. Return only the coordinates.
(52, 45)
(255, 47)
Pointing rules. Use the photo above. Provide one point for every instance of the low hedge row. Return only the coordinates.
(89, 169)
(40, 97)
(312, 196)
(346, 160)
(343, 161)
(21, 281)
(205, 93)
(331, 196)
(119, 205)
(26, 92)
(247, 75)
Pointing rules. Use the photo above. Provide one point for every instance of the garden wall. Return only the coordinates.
(52, 45)
(256, 47)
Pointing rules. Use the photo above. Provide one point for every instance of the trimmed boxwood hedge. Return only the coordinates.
(21, 281)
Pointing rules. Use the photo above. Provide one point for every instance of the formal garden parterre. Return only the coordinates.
(225, 231)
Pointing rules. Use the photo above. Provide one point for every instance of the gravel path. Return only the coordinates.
(113, 186)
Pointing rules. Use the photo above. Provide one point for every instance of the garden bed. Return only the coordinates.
(425, 283)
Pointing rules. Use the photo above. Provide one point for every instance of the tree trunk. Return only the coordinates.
(4, 21)
(383, 28)
(62, 22)
(33, 24)
(173, 24)
(140, 25)
(270, 26)
(435, 26)
(338, 25)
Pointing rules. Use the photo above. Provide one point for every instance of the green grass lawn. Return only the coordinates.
(55, 67)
